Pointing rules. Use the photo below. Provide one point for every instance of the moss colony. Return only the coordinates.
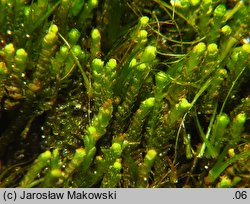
(124, 93)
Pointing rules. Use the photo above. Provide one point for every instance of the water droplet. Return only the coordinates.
(20, 156)
(9, 32)
(78, 106)
(246, 40)
(55, 132)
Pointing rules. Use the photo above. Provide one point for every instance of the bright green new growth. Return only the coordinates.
(96, 43)
(238, 125)
(116, 149)
(149, 54)
(195, 2)
(226, 30)
(224, 183)
(78, 158)
(98, 125)
(113, 176)
(9, 52)
(21, 59)
(73, 36)
(103, 80)
(195, 57)
(60, 60)
(145, 168)
(180, 3)
(117, 166)
(133, 135)
(143, 21)
(149, 159)
(138, 73)
(212, 49)
(219, 129)
(220, 11)
(98, 66)
(142, 36)
(48, 49)
(180, 109)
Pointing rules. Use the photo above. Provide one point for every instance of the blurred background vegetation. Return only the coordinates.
(124, 93)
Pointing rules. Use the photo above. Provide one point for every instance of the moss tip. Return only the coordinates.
(226, 30)
(117, 149)
(97, 63)
(195, 2)
(241, 118)
(151, 154)
(143, 34)
(220, 10)
(80, 152)
(53, 28)
(117, 165)
(74, 34)
(223, 120)
(50, 38)
(64, 50)
(149, 53)
(212, 49)
(143, 20)
(91, 130)
(46, 155)
(200, 48)
(184, 104)
(149, 102)
(111, 64)
(56, 173)
(9, 48)
(93, 3)
(95, 34)
(246, 48)
(76, 49)
(21, 53)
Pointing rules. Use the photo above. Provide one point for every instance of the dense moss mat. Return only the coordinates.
(118, 93)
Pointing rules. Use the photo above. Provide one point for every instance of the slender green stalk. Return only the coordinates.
(219, 166)
(35, 169)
